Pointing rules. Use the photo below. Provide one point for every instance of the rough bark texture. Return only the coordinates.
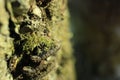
(35, 40)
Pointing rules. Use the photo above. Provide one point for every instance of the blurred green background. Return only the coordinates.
(96, 38)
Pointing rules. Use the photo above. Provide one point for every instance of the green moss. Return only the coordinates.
(49, 44)
(30, 41)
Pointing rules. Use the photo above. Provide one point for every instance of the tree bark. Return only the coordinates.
(35, 40)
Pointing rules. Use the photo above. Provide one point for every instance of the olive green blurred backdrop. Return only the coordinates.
(96, 40)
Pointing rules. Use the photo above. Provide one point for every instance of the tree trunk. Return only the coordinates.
(35, 40)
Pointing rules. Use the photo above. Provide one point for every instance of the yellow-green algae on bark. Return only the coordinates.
(42, 48)
(6, 46)
(61, 32)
